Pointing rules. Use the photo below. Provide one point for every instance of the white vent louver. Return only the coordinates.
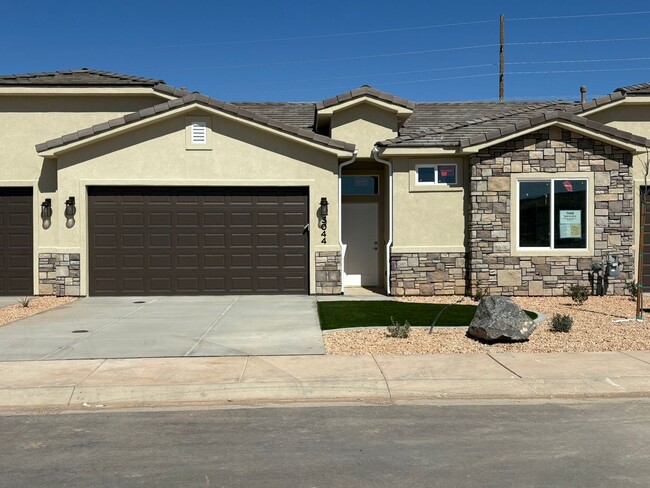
(199, 133)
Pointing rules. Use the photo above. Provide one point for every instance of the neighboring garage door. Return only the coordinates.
(16, 249)
(197, 240)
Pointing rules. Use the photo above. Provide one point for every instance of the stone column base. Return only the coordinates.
(328, 272)
(58, 274)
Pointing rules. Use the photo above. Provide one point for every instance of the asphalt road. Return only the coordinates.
(602, 444)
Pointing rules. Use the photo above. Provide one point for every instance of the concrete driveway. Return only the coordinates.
(132, 327)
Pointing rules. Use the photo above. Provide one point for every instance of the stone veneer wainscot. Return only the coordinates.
(427, 273)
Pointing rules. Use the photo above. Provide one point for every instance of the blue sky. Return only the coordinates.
(310, 50)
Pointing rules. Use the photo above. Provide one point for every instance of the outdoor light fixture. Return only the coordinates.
(70, 211)
(323, 219)
(46, 213)
(323, 207)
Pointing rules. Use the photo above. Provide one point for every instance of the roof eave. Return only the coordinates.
(615, 137)
(57, 147)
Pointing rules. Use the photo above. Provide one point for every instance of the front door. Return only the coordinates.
(361, 238)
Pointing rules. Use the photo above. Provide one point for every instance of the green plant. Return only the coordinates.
(400, 331)
(25, 301)
(632, 288)
(579, 293)
(480, 292)
(561, 323)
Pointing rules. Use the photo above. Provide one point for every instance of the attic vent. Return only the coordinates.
(199, 133)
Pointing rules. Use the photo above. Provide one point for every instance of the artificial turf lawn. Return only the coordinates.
(369, 313)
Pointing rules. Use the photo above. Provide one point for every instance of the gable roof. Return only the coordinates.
(365, 91)
(81, 77)
(490, 128)
(187, 100)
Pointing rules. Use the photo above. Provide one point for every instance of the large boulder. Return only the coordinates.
(500, 319)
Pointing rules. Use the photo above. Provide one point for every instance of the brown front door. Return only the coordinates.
(197, 240)
(16, 241)
(646, 244)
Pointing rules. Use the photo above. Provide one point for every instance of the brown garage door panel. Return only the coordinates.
(192, 241)
(16, 238)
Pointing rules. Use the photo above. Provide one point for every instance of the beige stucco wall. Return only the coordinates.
(634, 118)
(28, 120)
(432, 219)
(364, 124)
(156, 155)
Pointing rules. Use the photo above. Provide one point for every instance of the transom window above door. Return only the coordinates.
(352, 185)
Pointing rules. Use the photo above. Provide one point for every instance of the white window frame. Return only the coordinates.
(552, 220)
(436, 173)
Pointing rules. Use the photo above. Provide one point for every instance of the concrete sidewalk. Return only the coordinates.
(160, 381)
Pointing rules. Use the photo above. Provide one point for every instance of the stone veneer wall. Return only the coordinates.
(328, 272)
(58, 274)
(427, 274)
(551, 151)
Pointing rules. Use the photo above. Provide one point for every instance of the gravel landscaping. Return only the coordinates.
(594, 329)
(36, 305)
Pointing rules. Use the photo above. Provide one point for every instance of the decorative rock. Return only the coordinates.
(498, 318)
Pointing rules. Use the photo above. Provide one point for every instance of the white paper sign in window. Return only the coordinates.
(570, 224)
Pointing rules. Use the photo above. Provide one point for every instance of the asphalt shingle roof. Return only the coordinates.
(189, 99)
(81, 77)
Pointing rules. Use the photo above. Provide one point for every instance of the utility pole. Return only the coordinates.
(501, 60)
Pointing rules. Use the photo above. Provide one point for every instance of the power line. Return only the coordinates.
(390, 73)
(410, 53)
(397, 29)
(348, 58)
(579, 16)
(572, 61)
(495, 74)
(324, 36)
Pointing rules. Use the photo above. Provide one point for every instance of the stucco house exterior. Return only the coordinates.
(113, 184)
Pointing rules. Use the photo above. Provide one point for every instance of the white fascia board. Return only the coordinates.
(574, 128)
(55, 152)
(373, 101)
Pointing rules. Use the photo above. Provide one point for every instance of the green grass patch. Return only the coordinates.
(368, 313)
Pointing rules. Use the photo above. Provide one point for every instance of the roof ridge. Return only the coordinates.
(90, 71)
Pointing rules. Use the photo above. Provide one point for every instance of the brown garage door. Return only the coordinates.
(197, 241)
(16, 250)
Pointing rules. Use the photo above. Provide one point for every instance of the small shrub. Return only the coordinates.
(632, 288)
(25, 301)
(579, 293)
(400, 331)
(561, 323)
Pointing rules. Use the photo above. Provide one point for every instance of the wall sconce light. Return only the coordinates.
(323, 219)
(70, 211)
(46, 213)
(323, 207)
